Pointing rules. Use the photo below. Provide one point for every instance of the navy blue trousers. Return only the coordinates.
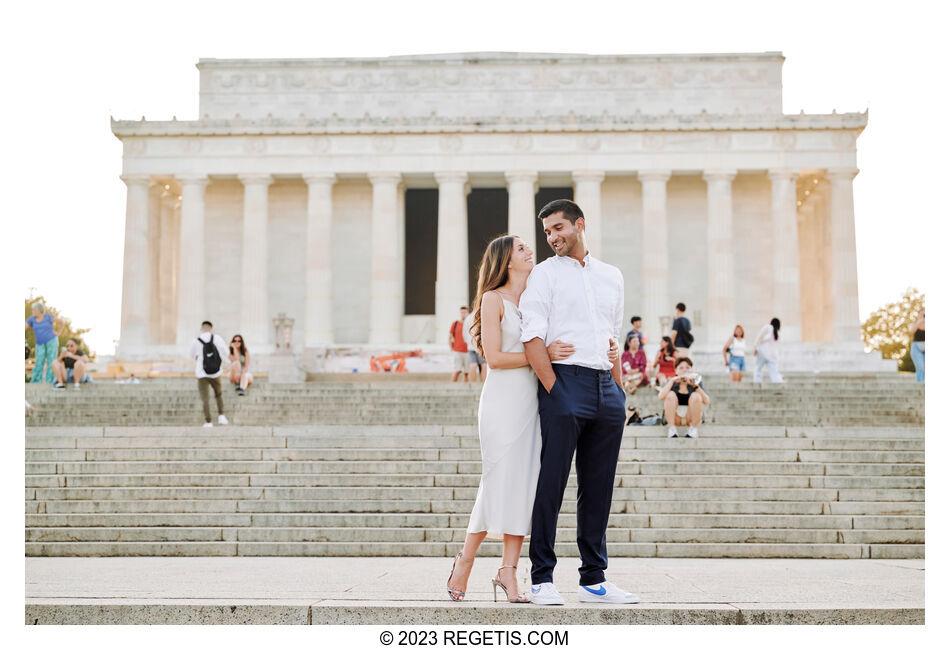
(585, 411)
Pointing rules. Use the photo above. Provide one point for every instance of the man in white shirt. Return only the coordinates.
(578, 299)
(209, 351)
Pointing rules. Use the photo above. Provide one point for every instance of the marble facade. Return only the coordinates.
(287, 194)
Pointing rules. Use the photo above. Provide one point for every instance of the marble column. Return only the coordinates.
(522, 186)
(168, 266)
(587, 196)
(386, 306)
(844, 262)
(654, 276)
(720, 274)
(191, 259)
(133, 336)
(786, 292)
(451, 275)
(255, 316)
(318, 325)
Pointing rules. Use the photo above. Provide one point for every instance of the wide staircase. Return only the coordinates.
(821, 467)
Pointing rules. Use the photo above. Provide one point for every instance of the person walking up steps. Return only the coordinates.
(209, 352)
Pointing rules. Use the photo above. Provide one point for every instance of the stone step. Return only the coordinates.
(433, 521)
(724, 507)
(458, 480)
(79, 469)
(437, 549)
(457, 536)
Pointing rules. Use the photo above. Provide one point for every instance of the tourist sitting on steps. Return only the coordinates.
(665, 362)
(71, 366)
(683, 399)
(240, 373)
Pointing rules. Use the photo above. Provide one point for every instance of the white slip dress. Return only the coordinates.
(509, 433)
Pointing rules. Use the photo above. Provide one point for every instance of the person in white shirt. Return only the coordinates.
(765, 351)
(733, 354)
(578, 299)
(209, 351)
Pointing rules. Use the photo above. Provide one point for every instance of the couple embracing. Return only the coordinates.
(549, 335)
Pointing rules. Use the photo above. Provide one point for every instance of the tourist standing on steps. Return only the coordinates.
(47, 341)
(682, 331)
(733, 354)
(240, 371)
(765, 351)
(459, 347)
(917, 345)
(209, 352)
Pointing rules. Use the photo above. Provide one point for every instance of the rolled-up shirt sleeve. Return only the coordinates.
(535, 306)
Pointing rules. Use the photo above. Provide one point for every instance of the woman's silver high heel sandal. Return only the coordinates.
(496, 582)
(455, 594)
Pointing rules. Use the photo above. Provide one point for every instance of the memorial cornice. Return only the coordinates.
(537, 124)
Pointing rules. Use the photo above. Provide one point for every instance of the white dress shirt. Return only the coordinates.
(580, 305)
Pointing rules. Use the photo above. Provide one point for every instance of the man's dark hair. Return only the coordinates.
(635, 319)
(206, 322)
(682, 360)
(465, 307)
(571, 211)
(681, 306)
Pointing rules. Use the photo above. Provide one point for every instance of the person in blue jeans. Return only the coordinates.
(917, 345)
(47, 342)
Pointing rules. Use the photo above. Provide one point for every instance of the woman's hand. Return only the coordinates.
(613, 352)
(559, 350)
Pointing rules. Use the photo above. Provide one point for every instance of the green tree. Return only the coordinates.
(68, 332)
(888, 329)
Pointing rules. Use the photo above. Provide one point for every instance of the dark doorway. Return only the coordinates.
(544, 196)
(422, 238)
(487, 218)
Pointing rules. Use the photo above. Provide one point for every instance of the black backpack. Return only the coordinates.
(210, 357)
(685, 338)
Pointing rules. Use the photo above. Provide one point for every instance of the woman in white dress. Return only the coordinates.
(509, 429)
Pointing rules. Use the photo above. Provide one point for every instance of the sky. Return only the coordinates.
(70, 66)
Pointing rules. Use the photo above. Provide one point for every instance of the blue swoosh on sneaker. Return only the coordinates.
(535, 590)
(596, 592)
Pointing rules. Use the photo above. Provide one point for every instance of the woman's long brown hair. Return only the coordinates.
(492, 273)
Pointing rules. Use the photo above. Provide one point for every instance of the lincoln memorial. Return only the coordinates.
(357, 195)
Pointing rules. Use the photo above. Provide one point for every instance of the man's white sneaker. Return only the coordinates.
(207, 425)
(546, 594)
(693, 432)
(671, 432)
(222, 419)
(606, 592)
(59, 384)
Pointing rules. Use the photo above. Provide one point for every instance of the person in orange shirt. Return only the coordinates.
(459, 346)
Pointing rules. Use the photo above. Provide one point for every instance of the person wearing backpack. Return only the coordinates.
(682, 336)
(209, 350)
